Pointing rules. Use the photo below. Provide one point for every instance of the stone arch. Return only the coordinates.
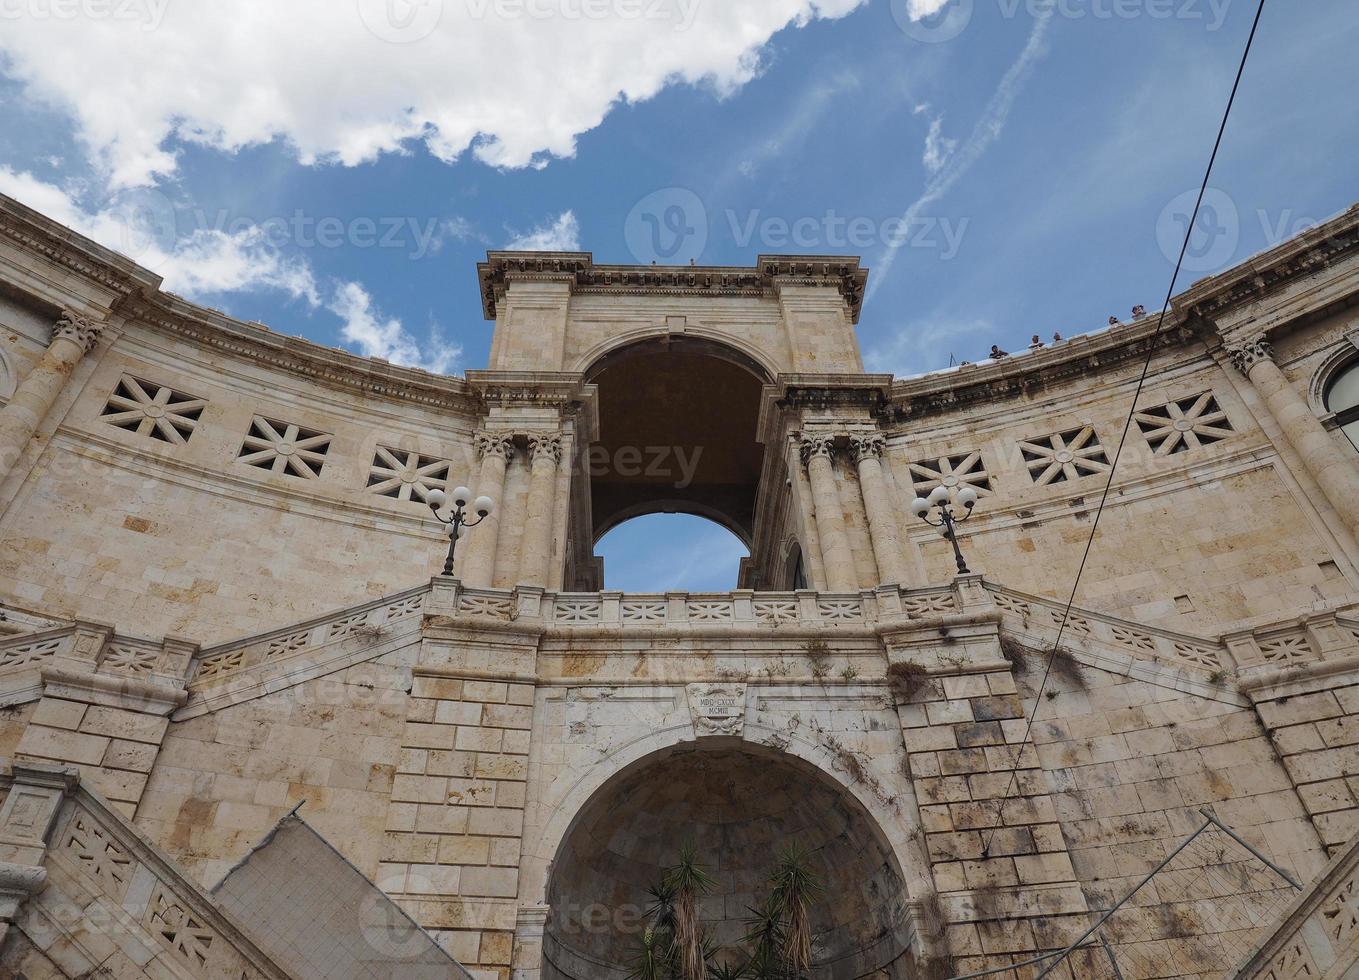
(1344, 356)
(588, 363)
(888, 826)
(678, 432)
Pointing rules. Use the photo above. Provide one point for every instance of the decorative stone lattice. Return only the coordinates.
(283, 447)
(130, 660)
(1064, 456)
(175, 925)
(405, 475)
(98, 855)
(149, 409)
(952, 472)
(644, 612)
(1188, 423)
(28, 653)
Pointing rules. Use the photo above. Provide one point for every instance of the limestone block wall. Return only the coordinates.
(332, 744)
(1313, 725)
(187, 536)
(1198, 539)
(451, 848)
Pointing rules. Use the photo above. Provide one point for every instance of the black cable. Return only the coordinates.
(1127, 427)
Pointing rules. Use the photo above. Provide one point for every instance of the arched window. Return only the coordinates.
(1342, 399)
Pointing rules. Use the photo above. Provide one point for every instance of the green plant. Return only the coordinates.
(765, 936)
(688, 882)
(653, 959)
(905, 679)
(725, 971)
(849, 673)
(796, 887)
(818, 652)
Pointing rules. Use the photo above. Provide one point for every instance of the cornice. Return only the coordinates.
(1023, 374)
(579, 271)
(38, 233)
(176, 317)
(1298, 257)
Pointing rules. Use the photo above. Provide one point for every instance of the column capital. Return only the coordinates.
(1252, 352)
(78, 329)
(545, 444)
(868, 445)
(812, 447)
(495, 445)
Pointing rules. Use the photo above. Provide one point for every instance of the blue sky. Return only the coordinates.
(336, 169)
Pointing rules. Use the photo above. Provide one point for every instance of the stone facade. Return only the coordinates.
(220, 601)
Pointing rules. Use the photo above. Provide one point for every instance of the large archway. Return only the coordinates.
(677, 434)
(739, 804)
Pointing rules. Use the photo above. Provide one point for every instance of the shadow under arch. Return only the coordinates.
(865, 851)
(678, 420)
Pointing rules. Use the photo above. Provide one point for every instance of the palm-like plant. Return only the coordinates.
(796, 887)
(653, 960)
(765, 937)
(688, 883)
(725, 971)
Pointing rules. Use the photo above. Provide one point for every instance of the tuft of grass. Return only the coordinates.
(905, 680)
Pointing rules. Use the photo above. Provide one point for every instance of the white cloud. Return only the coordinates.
(920, 9)
(938, 147)
(376, 335)
(984, 133)
(141, 225)
(561, 235)
(514, 89)
(211, 262)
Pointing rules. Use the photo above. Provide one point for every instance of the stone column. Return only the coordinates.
(72, 337)
(535, 550)
(495, 451)
(1334, 469)
(882, 523)
(819, 454)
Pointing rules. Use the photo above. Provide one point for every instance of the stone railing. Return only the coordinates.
(1319, 934)
(1108, 639)
(739, 609)
(86, 647)
(97, 876)
(371, 621)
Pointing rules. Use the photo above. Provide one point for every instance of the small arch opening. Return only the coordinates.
(671, 552)
(1342, 399)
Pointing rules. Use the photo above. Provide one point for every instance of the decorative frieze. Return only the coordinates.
(153, 410)
(1184, 424)
(284, 447)
(1063, 456)
(406, 475)
(953, 472)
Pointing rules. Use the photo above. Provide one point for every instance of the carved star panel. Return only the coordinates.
(1064, 456)
(953, 472)
(153, 410)
(1188, 423)
(283, 447)
(404, 475)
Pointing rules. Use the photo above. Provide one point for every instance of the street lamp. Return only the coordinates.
(458, 522)
(948, 520)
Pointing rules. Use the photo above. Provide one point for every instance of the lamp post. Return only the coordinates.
(948, 520)
(457, 522)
